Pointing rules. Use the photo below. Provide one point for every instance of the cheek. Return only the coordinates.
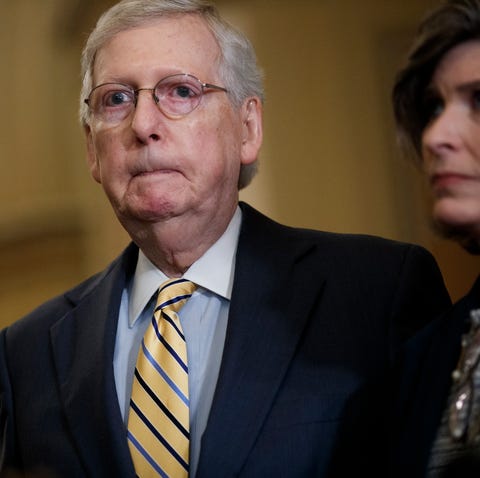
(217, 148)
(424, 150)
(427, 161)
(108, 151)
(229, 136)
(475, 150)
(104, 142)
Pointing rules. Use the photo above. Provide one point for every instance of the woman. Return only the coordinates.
(436, 101)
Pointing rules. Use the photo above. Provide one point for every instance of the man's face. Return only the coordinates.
(154, 168)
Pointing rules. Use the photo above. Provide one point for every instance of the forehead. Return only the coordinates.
(166, 45)
(459, 65)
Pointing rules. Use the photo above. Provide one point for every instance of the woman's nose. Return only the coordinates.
(443, 133)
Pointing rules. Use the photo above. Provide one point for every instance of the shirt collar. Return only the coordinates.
(213, 271)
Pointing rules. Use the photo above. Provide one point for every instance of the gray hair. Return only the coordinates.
(237, 65)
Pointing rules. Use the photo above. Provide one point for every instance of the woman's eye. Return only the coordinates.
(436, 109)
(476, 99)
(432, 108)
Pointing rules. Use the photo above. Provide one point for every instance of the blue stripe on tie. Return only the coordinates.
(158, 436)
(173, 324)
(165, 316)
(160, 405)
(173, 300)
(159, 369)
(144, 453)
(171, 350)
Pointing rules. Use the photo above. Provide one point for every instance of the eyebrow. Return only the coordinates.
(468, 86)
(433, 91)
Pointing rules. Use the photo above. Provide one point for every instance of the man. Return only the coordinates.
(290, 334)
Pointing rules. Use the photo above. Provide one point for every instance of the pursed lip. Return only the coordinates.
(155, 172)
(153, 168)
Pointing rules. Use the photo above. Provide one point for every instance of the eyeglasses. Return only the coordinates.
(176, 96)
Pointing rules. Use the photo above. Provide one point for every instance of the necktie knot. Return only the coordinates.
(173, 294)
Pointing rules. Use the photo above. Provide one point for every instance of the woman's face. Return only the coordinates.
(451, 140)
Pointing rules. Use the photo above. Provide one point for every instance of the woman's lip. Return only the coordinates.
(442, 180)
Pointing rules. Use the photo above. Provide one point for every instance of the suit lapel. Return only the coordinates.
(83, 343)
(270, 306)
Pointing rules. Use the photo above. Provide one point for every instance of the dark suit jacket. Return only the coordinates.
(428, 362)
(315, 322)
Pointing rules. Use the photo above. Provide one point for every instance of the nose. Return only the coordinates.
(147, 118)
(443, 133)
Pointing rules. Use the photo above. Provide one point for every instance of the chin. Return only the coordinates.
(458, 212)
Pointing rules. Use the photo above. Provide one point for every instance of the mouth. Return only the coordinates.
(446, 180)
(154, 172)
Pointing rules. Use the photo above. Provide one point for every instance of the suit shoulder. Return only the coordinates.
(359, 246)
(356, 248)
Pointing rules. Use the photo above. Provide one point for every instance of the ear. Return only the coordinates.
(91, 155)
(252, 129)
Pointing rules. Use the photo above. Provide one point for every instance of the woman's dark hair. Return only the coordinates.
(454, 22)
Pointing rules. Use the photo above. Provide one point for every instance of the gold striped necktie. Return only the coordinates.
(158, 421)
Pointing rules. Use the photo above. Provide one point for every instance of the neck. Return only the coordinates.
(174, 245)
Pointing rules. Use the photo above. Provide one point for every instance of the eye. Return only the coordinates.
(431, 108)
(115, 98)
(476, 99)
(178, 88)
(183, 91)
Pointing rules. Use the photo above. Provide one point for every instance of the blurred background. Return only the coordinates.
(329, 159)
